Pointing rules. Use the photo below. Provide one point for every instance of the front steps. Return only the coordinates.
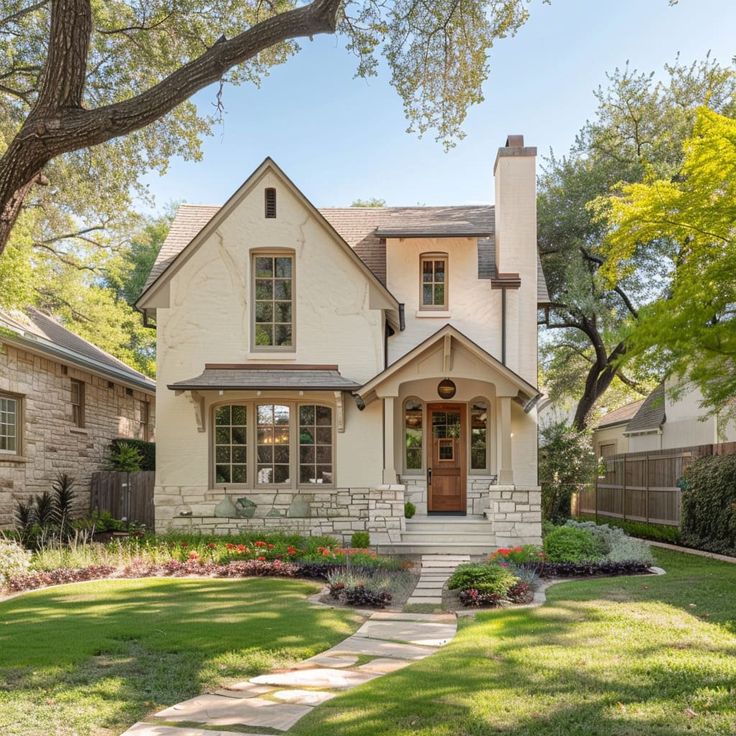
(448, 535)
(434, 573)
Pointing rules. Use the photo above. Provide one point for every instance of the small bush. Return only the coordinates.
(14, 560)
(360, 540)
(409, 510)
(598, 567)
(709, 504)
(517, 555)
(655, 532)
(520, 592)
(615, 544)
(567, 544)
(147, 451)
(475, 598)
(124, 458)
(359, 590)
(483, 578)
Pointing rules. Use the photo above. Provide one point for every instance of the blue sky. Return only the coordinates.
(341, 138)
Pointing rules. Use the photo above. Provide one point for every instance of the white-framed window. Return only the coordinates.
(413, 435)
(433, 281)
(273, 301)
(10, 424)
(280, 444)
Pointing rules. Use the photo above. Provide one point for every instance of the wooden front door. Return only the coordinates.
(446, 458)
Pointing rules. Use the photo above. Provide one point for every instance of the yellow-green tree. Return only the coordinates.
(688, 222)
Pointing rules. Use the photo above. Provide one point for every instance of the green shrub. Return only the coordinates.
(484, 578)
(567, 544)
(655, 532)
(409, 510)
(124, 458)
(147, 451)
(615, 544)
(709, 504)
(360, 540)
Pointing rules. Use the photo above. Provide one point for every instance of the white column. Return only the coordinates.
(389, 461)
(505, 468)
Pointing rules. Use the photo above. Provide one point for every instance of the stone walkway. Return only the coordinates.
(434, 573)
(386, 642)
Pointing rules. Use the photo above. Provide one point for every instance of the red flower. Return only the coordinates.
(194, 555)
(241, 548)
(260, 544)
(229, 545)
(262, 558)
(212, 545)
(185, 544)
(270, 546)
(291, 550)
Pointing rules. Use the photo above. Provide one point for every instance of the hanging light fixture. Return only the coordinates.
(446, 388)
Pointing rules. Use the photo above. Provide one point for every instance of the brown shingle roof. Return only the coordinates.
(620, 415)
(257, 378)
(651, 413)
(364, 229)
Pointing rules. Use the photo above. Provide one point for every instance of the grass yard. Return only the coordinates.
(93, 658)
(634, 656)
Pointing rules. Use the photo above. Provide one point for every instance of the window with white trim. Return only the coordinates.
(10, 410)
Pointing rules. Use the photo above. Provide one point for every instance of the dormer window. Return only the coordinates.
(433, 285)
(273, 302)
(270, 202)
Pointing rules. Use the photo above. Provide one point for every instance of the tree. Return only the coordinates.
(118, 75)
(639, 126)
(368, 203)
(687, 224)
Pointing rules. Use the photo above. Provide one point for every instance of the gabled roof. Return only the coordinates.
(651, 415)
(173, 253)
(38, 332)
(621, 415)
(448, 330)
(365, 230)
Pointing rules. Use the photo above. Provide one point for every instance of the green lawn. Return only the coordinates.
(638, 656)
(93, 658)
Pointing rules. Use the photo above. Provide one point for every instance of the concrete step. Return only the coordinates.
(460, 526)
(424, 548)
(448, 536)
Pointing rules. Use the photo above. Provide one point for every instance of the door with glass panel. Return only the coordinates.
(446, 473)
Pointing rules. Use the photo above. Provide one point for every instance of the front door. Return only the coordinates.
(446, 458)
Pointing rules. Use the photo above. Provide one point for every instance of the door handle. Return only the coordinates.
(429, 476)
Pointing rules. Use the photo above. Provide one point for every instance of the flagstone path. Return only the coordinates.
(434, 573)
(385, 642)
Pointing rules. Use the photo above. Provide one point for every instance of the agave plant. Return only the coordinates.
(25, 518)
(63, 499)
(45, 509)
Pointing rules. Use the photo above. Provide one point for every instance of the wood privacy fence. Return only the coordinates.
(642, 486)
(125, 495)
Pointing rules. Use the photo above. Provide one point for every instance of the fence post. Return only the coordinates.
(646, 485)
(623, 488)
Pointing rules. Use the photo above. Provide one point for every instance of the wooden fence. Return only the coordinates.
(643, 486)
(125, 495)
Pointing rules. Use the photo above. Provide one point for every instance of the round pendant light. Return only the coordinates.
(446, 388)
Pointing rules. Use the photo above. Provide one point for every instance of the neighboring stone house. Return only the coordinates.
(62, 400)
(319, 368)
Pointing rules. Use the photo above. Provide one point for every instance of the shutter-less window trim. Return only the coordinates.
(270, 200)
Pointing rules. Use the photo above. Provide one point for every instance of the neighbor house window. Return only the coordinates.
(142, 419)
(413, 434)
(77, 389)
(272, 444)
(9, 425)
(315, 444)
(273, 303)
(231, 444)
(479, 435)
(433, 281)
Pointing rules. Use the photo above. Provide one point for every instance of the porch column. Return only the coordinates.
(389, 462)
(505, 468)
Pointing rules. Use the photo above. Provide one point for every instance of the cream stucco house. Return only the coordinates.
(319, 368)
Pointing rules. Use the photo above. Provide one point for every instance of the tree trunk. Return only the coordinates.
(599, 378)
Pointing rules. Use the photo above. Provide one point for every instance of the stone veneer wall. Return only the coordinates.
(51, 444)
(516, 514)
(340, 512)
(477, 490)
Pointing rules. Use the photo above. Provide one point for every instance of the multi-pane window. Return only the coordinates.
(272, 444)
(231, 444)
(315, 444)
(478, 435)
(9, 425)
(273, 302)
(142, 419)
(434, 282)
(413, 434)
(77, 389)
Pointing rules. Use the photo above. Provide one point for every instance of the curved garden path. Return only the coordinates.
(386, 642)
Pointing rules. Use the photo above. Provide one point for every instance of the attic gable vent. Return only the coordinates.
(270, 200)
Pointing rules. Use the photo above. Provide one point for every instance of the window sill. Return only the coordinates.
(13, 458)
(272, 356)
(78, 430)
(432, 313)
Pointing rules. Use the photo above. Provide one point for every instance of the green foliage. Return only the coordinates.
(409, 510)
(368, 203)
(566, 462)
(655, 532)
(709, 504)
(614, 543)
(360, 540)
(483, 578)
(147, 451)
(124, 458)
(567, 544)
(63, 498)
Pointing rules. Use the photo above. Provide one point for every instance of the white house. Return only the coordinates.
(319, 368)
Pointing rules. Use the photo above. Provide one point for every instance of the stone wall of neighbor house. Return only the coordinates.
(50, 443)
(339, 512)
(478, 488)
(516, 514)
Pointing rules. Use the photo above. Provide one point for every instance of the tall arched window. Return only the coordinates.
(479, 435)
(413, 434)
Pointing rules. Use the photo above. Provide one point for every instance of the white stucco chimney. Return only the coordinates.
(516, 251)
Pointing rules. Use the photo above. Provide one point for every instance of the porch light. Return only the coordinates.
(446, 388)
